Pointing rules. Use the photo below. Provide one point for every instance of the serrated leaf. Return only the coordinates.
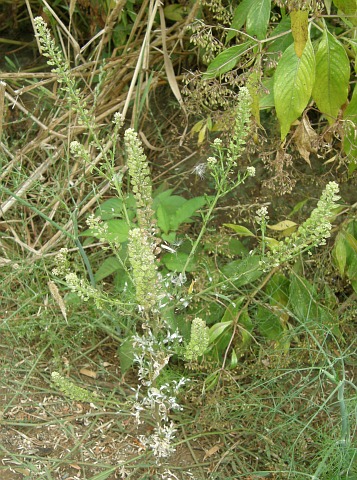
(258, 19)
(226, 60)
(239, 17)
(245, 232)
(283, 225)
(332, 76)
(299, 28)
(293, 82)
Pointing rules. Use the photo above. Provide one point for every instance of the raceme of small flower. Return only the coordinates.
(145, 275)
(62, 69)
(139, 172)
(312, 233)
(199, 340)
(222, 164)
(68, 388)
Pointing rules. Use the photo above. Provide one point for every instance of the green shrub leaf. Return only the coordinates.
(332, 76)
(240, 17)
(226, 60)
(258, 19)
(293, 82)
(185, 211)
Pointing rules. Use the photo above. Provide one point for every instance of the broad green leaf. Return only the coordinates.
(174, 12)
(277, 290)
(186, 210)
(111, 208)
(293, 82)
(177, 261)
(226, 60)
(258, 19)
(281, 43)
(269, 324)
(299, 28)
(340, 253)
(240, 229)
(232, 310)
(239, 17)
(267, 100)
(302, 298)
(126, 355)
(332, 76)
(245, 326)
(349, 8)
(218, 329)
(108, 267)
(117, 232)
(163, 219)
(241, 272)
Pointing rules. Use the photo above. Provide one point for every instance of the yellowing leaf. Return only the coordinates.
(281, 226)
(299, 25)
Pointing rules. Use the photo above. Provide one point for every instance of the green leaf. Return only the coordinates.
(258, 19)
(302, 298)
(232, 310)
(177, 261)
(332, 76)
(268, 323)
(186, 210)
(241, 272)
(240, 229)
(340, 253)
(293, 82)
(126, 355)
(239, 17)
(349, 8)
(281, 43)
(174, 12)
(118, 231)
(350, 130)
(111, 208)
(163, 219)
(218, 329)
(226, 60)
(108, 267)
